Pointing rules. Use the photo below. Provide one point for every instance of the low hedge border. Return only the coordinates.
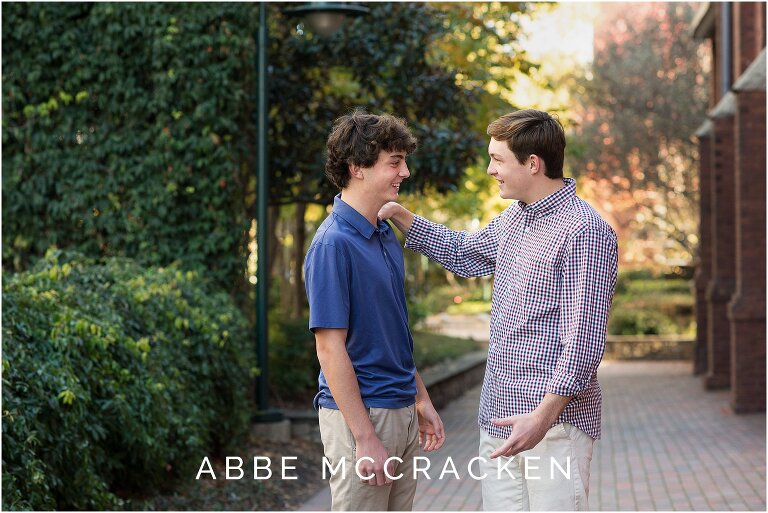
(116, 378)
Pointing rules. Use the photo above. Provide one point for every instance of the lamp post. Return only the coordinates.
(325, 18)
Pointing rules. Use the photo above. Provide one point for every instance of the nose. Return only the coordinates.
(491, 171)
(404, 172)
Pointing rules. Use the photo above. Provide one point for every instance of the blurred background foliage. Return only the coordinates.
(129, 139)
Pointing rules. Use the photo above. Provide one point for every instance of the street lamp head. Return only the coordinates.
(326, 18)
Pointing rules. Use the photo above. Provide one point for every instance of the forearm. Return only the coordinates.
(464, 254)
(403, 219)
(550, 408)
(342, 381)
(422, 396)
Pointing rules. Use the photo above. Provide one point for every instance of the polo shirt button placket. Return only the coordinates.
(384, 253)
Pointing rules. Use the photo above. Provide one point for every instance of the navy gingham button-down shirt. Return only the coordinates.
(554, 263)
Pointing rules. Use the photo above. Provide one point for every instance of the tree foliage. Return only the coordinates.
(381, 62)
(128, 129)
(647, 96)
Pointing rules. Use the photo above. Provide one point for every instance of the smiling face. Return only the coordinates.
(514, 178)
(382, 181)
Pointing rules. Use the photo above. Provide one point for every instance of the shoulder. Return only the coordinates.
(331, 237)
(584, 221)
(509, 215)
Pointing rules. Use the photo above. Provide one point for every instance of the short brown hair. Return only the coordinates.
(358, 138)
(532, 132)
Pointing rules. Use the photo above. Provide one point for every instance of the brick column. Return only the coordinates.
(747, 34)
(747, 308)
(723, 270)
(703, 272)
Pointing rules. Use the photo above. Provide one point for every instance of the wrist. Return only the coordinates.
(544, 417)
(365, 436)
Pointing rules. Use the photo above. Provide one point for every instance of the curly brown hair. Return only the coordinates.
(532, 132)
(359, 137)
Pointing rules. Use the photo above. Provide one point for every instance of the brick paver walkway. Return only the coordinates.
(667, 445)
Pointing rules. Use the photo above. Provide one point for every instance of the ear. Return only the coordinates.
(535, 164)
(355, 171)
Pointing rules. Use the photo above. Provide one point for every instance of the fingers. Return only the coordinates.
(507, 421)
(504, 450)
(375, 476)
(432, 441)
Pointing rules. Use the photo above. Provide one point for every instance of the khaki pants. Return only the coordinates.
(546, 488)
(398, 430)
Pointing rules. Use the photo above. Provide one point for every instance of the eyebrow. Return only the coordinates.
(397, 156)
(495, 155)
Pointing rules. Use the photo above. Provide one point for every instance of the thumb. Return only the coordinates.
(507, 421)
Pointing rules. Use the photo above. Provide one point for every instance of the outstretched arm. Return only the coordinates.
(463, 253)
(398, 214)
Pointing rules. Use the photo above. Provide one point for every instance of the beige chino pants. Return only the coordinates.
(398, 430)
(545, 488)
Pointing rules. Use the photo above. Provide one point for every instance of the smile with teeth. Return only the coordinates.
(396, 186)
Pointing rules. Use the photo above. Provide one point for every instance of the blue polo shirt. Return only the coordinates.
(355, 278)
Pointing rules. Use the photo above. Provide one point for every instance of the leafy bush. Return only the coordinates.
(293, 360)
(625, 321)
(651, 306)
(114, 376)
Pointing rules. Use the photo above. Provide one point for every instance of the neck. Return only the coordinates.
(547, 187)
(366, 208)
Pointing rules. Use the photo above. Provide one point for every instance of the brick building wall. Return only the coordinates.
(730, 283)
(704, 261)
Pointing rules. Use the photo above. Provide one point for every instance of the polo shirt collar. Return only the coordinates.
(355, 218)
(546, 205)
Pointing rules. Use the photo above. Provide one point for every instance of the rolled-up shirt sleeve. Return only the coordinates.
(589, 279)
(463, 253)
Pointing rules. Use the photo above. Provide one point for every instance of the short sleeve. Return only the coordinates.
(327, 282)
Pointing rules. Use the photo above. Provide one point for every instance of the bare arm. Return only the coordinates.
(431, 430)
(341, 379)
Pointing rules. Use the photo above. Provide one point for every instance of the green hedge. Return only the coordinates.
(644, 305)
(115, 379)
(293, 364)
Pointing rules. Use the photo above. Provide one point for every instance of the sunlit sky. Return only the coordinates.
(559, 40)
(564, 32)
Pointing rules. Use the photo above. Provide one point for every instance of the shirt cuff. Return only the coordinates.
(417, 233)
(565, 384)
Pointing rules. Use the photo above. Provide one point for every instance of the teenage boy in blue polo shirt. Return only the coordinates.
(373, 406)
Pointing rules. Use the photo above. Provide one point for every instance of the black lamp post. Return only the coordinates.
(325, 18)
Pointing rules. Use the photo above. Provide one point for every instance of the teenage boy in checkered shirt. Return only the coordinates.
(554, 262)
(372, 404)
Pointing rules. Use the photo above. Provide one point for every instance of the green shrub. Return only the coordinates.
(293, 364)
(651, 306)
(115, 377)
(631, 321)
